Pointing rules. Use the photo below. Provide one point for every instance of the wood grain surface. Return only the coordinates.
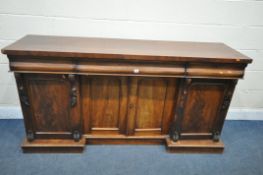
(58, 46)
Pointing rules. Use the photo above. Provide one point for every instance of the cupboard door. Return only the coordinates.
(151, 104)
(201, 108)
(104, 104)
(53, 101)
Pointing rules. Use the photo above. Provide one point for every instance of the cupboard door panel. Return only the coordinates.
(50, 98)
(104, 104)
(105, 95)
(199, 109)
(202, 107)
(151, 104)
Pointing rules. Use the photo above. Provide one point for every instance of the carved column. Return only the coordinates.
(175, 129)
(24, 100)
(223, 109)
(76, 133)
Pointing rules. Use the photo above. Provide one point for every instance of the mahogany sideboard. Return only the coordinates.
(76, 91)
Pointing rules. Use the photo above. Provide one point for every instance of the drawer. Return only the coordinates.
(131, 69)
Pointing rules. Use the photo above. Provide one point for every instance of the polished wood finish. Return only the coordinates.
(102, 48)
(104, 104)
(53, 146)
(75, 91)
(125, 139)
(194, 146)
(199, 116)
(151, 105)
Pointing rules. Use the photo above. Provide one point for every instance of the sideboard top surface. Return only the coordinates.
(124, 49)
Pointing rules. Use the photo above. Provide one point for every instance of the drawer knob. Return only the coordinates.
(136, 71)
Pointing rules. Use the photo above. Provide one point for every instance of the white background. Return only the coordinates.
(239, 24)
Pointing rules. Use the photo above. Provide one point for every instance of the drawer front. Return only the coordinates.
(126, 68)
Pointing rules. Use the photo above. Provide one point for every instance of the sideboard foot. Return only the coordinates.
(53, 146)
(194, 146)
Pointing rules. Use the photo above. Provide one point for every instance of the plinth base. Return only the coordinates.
(53, 145)
(194, 146)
